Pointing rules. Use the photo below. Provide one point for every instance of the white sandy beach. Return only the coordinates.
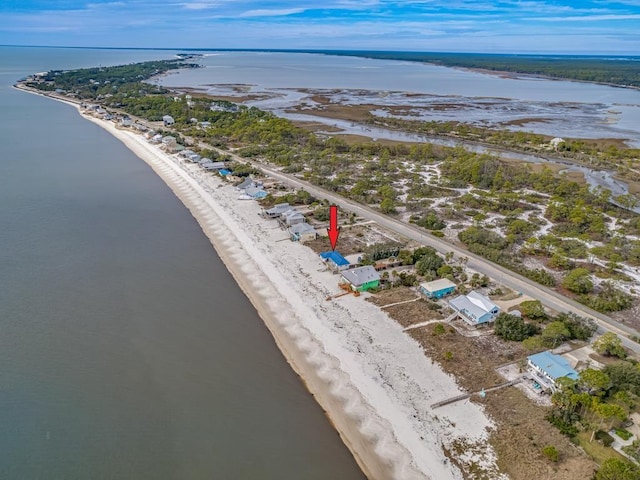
(372, 379)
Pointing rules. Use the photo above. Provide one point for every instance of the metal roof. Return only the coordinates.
(436, 285)
(474, 305)
(253, 191)
(279, 208)
(300, 228)
(361, 275)
(335, 257)
(553, 365)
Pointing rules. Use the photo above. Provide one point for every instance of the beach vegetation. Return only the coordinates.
(529, 220)
(609, 344)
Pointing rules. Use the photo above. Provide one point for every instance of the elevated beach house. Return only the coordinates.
(169, 143)
(362, 278)
(302, 232)
(168, 120)
(546, 368)
(438, 288)
(474, 308)
(212, 166)
(255, 192)
(292, 217)
(246, 183)
(277, 210)
(334, 260)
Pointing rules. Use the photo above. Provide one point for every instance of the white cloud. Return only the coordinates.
(202, 5)
(277, 12)
(591, 18)
(105, 5)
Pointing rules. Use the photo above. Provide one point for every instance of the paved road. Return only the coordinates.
(548, 297)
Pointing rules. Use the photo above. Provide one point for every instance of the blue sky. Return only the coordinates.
(527, 26)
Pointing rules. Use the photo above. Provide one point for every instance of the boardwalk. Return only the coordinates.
(467, 395)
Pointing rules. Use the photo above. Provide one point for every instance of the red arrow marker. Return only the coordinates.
(333, 229)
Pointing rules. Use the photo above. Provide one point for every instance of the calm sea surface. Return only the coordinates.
(563, 108)
(126, 349)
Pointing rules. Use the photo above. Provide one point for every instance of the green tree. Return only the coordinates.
(554, 334)
(624, 376)
(533, 310)
(579, 328)
(533, 343)
(387, 205)
(616, 469)
(321, 213)
(429, 264)
(610, 345)
(511, 327)
(578, 280)
(445, 271)
(594, 381)
(609, 411)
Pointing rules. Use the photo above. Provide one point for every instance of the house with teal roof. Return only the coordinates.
(546, 368)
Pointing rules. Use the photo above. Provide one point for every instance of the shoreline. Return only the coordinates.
(391, 434)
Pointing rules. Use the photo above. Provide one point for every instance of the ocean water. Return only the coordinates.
(126, 349)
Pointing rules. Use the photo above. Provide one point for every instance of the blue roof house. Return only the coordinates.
(335, 261)
(546, 368)
(224, 172)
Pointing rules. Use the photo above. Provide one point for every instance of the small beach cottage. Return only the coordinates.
(255, 192)
(475, 308)
(277, 210)
(546, 368)
(212, 166)
(302, 232)
(246, 183)
(292, 217)
(362, 278)
(170, 143)
(334, 260)
(168, 120)
(438, 288)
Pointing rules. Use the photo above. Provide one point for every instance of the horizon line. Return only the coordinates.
(322, 50)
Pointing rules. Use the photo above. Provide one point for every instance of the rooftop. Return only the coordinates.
(474, 305)
(300, 228)
(361, 275)
(553, 365)
(279, 208)
(436, 285)
(335, 257)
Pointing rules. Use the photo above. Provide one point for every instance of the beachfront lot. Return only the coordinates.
(365, 364)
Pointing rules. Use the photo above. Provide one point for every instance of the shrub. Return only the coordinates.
(510, 327)
(533, 310)
(578, 280)
(551, 453)
(608, 299)
(623, 434)
(439, 329)
(566, 428)
(609, 344)
(604, 438)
